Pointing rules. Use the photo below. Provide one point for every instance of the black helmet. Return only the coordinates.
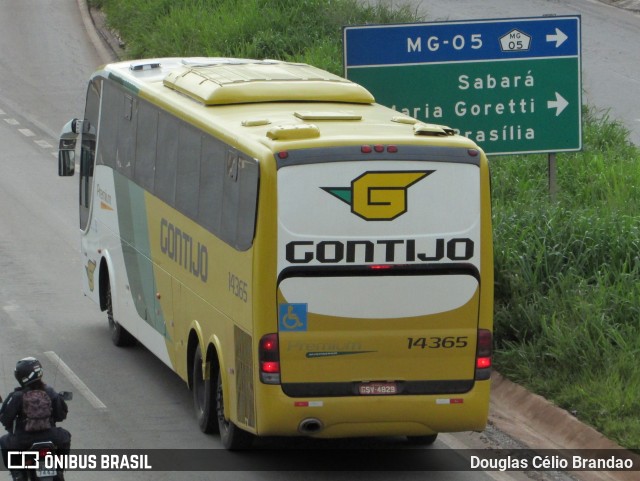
(28, 370)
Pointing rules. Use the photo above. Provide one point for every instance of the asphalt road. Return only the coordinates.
(124, 398)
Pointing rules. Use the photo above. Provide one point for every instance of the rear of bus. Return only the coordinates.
(384, 291)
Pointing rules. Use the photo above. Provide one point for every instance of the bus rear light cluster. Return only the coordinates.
(381, 267)
(367, 149)
(269, 358)
(483, 354)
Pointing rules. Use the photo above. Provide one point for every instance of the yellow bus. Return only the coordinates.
(309, 262)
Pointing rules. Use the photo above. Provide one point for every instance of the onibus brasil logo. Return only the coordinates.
(379, 195)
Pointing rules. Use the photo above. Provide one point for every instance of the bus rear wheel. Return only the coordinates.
(203, 396)
(231, 436)
(119, 335)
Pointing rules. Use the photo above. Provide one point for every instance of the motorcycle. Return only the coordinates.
(34, 471)
(33, 458)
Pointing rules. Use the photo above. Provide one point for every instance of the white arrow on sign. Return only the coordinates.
(558, 38)
(560, 103)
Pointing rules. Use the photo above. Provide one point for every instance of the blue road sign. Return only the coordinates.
(511, 85)
(462, 41)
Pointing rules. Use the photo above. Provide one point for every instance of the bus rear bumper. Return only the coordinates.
(360, 416)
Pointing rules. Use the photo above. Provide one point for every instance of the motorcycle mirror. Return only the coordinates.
(66, 395)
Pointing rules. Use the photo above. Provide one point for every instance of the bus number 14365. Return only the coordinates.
(438, 342)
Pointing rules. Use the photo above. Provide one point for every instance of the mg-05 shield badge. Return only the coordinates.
(378, 195)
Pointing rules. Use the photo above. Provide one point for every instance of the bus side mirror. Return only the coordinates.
(67, 158)
(67, 149)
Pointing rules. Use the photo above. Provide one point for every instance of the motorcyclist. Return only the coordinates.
(29, 373)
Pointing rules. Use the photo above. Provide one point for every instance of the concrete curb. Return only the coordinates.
(630, 5)
(104, 50)
(540, 424)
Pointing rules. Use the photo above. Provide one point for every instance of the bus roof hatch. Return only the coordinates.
(263, 81)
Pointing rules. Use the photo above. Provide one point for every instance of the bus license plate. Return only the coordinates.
(377, 388)
(43, 473)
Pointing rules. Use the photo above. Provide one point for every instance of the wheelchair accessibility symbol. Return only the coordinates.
(292, 317)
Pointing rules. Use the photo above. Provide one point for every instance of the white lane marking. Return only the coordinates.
(10, 307)
(27, 132)
(75, 380)
(43, 143)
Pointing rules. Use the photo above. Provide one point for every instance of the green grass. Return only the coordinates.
(567, 315)
(567, 291)
(298, 30)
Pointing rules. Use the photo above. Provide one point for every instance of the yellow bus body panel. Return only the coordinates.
(305, 145)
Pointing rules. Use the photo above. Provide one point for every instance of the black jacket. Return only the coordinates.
(12, 417)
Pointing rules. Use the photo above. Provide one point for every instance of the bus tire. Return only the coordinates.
(119, 335)
(422, 440)
(231, 436)
(203, 396)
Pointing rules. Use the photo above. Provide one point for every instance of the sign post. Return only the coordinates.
(511, 85)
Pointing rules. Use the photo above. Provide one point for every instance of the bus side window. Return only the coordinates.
(127, 126)
(188, 171)
(88, 151)
(146, 144)
(248, 179)
(87, 158)
(211, 184)
(231, 199)
(166, 159)
(109, 119)
(240, 192)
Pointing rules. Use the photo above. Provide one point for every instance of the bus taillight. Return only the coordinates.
(483, 354)
(269, 358)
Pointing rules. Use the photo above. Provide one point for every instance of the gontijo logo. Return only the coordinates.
(378, 195)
